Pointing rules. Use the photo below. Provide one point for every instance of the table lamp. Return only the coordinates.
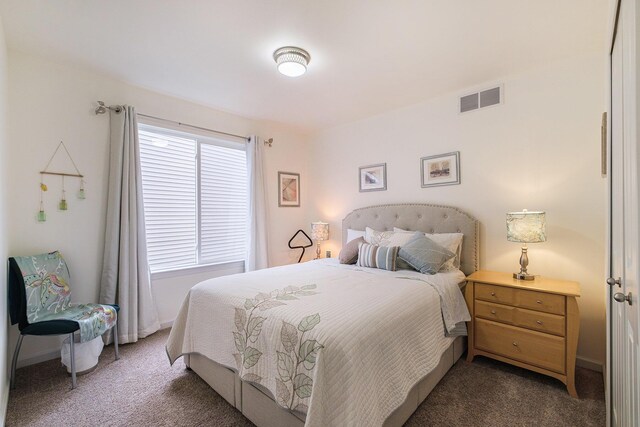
(319, 232)
(525, 227)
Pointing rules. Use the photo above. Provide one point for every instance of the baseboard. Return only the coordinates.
(55, 354)
(166, 325)
(4, 401)
(584, 362)
(43, 357)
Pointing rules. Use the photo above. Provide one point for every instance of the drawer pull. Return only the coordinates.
(539, 302)
(515, 344)
(493, 294)
(539, 322)
(493, 312)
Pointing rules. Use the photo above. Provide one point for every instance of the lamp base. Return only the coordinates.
(524, 262)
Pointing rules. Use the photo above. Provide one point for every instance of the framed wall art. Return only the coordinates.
(373, 177)
(443, 169)
(288, 189)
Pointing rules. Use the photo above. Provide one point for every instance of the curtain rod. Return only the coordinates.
(102, 108)
(193, 126)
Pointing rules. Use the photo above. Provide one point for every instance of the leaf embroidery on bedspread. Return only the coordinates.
(252, 377)
(298, 354)
(249, 327)
(288, 336)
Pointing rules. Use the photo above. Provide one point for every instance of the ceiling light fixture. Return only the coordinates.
(292, 61)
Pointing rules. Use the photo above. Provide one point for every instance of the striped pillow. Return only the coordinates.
(377, 256)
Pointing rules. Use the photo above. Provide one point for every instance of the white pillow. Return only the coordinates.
(451, 241)
(353, 234)
(389, 239)
(386, 238)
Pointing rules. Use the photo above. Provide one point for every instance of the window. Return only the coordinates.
(195, 198)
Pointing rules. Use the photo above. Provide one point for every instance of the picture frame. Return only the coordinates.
(372, 177)
(288, 190)
(441, 169)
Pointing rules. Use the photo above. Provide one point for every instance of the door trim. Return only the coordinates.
(608, 372)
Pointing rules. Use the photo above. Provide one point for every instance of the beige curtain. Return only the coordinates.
(125, 271)
(257, 251)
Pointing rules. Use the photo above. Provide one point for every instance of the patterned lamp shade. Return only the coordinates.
(319, 231)
(526, 227)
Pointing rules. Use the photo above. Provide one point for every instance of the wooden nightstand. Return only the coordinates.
(530, 324)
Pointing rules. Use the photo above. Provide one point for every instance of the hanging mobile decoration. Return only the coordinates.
(81, 194)
(42, 216)
(63, 202)
(62, 205)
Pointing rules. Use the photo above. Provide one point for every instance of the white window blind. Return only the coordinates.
(223, 198)
(169, 193)
(195, 199)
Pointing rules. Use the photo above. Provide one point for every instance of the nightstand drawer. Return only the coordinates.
(496, 312)
(492, 293)
(543, 350)
(540, 301)
(539, 321)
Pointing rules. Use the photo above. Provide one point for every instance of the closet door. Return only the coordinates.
(627, 297)
(623, 304)
(616, 311)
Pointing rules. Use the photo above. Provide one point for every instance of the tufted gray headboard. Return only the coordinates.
(421, 217)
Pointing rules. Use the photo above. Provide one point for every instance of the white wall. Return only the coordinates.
(50, 102)
(540, 150)
(4, 242)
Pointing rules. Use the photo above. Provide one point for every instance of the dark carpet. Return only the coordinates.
(141, 389)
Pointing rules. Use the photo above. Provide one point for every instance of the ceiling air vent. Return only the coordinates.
(484, 98)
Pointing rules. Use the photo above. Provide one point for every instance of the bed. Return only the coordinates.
(357, 353)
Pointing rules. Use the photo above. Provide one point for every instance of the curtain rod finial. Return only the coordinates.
(101, 108)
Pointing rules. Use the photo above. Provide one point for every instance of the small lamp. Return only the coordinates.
(319, 232)
(525, 227)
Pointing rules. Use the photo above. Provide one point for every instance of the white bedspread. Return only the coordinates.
(342, 344)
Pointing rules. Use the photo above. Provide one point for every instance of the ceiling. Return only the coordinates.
(367, 56)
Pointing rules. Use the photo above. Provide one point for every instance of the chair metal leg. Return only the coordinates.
(14, 361)
(115, 339)
(73, 361)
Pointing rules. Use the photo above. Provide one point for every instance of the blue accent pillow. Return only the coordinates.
(425, 255)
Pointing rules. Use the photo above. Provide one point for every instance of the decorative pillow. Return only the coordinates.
(451, 241)
(390, 238)
(425, 255)
(374, 237)
(349, 252)
(353, 234)
(377, 256)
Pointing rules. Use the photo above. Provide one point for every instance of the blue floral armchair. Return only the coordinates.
(40, 302)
